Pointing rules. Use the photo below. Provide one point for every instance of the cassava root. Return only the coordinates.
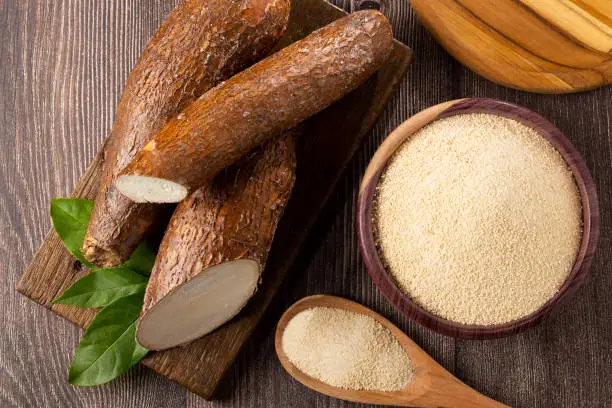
(201, 43)
(215, 248)
(274, 95)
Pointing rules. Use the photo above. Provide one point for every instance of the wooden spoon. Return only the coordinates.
(431, 385)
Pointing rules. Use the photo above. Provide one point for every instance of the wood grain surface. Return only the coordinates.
(548, 46)
(62, 69)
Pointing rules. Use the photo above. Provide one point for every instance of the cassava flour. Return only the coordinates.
(346, 350)
(478, 219)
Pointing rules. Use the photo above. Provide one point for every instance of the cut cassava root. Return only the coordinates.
(201, 43)
(143, 187)
(215, 248)
(200, 305)
(274, 95)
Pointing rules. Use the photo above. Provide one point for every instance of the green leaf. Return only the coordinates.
(108, 348)
(103, 287)
(142, 259)
(70, 217)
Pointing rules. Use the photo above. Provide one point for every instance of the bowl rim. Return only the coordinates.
(582, 176)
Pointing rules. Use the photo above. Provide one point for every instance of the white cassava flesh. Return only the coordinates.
(142, 189)
(199, 306)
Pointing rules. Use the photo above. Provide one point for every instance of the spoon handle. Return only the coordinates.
(443, 390)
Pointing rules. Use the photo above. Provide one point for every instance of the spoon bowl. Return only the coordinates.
(430, 385)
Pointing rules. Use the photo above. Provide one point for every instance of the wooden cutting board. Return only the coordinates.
(327, 144)
(547, 46)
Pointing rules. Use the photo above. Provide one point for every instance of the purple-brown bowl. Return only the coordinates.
(386, 284)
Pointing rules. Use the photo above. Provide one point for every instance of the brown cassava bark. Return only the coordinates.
(201, 43)
(233, 218)
(274, 95)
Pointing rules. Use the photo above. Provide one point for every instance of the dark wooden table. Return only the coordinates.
(63, 64)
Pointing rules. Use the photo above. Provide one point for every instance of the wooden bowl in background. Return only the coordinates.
(550, 132)
(554, 46)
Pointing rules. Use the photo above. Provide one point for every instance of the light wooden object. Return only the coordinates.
(329, 139)
(430, 386)
(547, 46)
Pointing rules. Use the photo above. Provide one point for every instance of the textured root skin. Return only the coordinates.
(274, 95)
(233, 218)
(201, 43)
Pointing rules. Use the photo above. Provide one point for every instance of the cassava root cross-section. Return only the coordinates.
(201, 43)
(211, 258)
(275, 94)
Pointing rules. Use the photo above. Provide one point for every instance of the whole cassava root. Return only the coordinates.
(215, 248)
(201, 43)
(274, 95)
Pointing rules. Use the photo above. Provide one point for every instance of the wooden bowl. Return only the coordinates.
(386, 284)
